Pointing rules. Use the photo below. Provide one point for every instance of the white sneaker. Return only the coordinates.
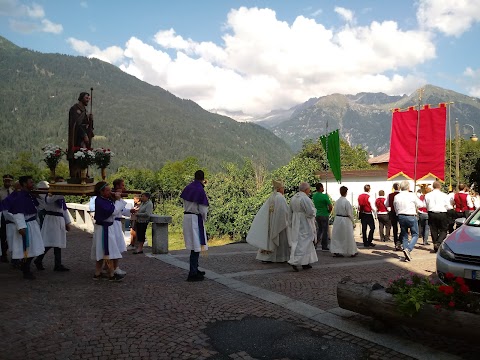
(130, 247)
(120, 271)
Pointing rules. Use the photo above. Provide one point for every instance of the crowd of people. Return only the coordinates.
(34, 221)
(291, 233)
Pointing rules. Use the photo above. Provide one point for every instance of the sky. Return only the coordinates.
(252, 57)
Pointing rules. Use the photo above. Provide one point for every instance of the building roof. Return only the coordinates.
(380, 159)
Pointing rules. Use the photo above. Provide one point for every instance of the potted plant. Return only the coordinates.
(102, 159)
(53, 155)
(84, 157)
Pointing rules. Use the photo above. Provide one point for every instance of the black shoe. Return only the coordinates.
(294, 268)
(197, 277)
(366, 245)
(337, 255)
(426, 243)
(306, 267)
(398, 248)
(116, 277)
(201, 272)
(60, 268)
(39, 265)
(29, 276)
(372, 245)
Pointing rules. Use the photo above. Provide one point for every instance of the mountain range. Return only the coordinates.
(365, 118)
(144, 125)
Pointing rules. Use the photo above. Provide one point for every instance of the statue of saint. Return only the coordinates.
(80, 132)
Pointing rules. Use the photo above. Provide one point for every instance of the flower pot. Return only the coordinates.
(52, 175)
(83, 176)
(104, 173)
(370, 299)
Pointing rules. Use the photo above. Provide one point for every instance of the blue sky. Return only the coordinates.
(255, 56)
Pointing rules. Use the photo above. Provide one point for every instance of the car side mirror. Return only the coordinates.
(460, 221)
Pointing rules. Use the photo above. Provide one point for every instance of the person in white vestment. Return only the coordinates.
(269, 229)
(55, 224)
(303, 230)
(343, 242)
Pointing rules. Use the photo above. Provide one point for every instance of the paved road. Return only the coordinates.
(243, 310)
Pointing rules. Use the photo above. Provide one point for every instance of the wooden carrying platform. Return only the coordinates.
(63, 188)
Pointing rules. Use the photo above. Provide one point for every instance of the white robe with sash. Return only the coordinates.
(53, 228)
(342, 241)
(303, 230)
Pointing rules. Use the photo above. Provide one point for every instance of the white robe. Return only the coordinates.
(117, 227)
(34, 237)
(269, 230)
(97, 252)
(191, 230)
(10, 228)
(53, 230)
(343, 241)
(303, 230)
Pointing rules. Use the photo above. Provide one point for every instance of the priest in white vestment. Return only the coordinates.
(269, 229)
(303, 230)
(343, 242)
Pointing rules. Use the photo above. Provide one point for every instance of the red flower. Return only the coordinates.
(447, 290)
(451, 304)
(464, 288)
(460, 281)
(449, 276)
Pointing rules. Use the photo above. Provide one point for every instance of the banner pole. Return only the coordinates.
(420, 91)
(326, 155)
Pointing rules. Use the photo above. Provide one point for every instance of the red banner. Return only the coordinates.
(431, 143)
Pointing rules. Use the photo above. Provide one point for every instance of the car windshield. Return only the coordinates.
(474, 220)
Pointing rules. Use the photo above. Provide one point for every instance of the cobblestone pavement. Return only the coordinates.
(155, 314)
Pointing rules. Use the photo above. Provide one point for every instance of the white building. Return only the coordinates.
(355, 180)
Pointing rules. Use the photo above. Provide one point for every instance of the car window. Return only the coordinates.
(474, 220)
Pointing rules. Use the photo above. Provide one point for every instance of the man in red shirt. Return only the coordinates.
(384, 223)
(366, 207)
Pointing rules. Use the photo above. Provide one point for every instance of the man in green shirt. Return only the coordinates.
(324, 208)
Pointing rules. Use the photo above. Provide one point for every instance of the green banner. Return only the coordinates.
(331, 145)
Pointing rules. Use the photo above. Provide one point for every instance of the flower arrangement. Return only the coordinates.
(53, 155)
(103, 157)
(413, 291)
(85, 157)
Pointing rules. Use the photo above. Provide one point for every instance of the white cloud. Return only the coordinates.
(28, 18)
(472, 78)
(316, 12)
(112, 54)
(346, 14)
(448, 17)
(50, 27)
(265, 63)
(84, 4)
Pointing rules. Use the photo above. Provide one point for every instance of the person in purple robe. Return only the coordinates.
(195, 209)
(105, 246)
(27, 242)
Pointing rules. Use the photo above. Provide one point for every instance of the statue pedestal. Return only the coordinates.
(66, 188)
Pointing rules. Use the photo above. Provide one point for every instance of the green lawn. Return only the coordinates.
(175, 240)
